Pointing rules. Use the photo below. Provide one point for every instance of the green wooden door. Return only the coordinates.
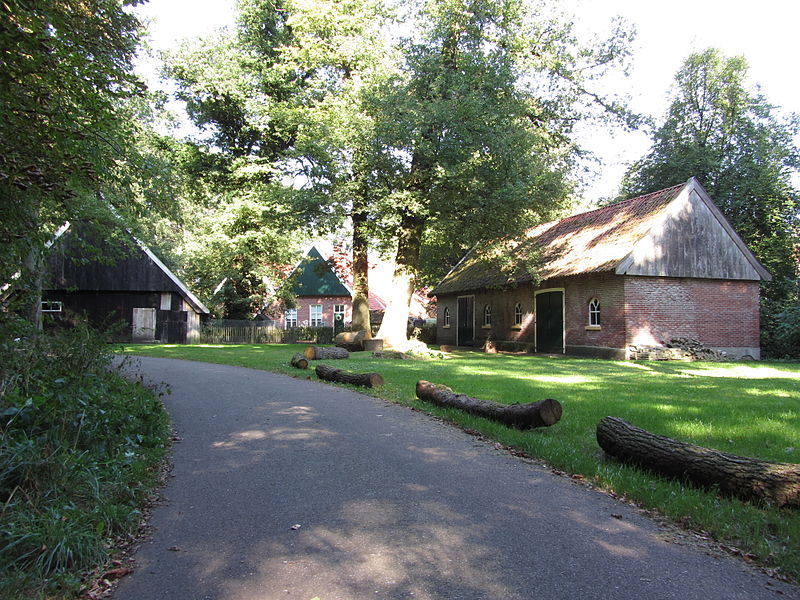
(550, 322)
(466, 321)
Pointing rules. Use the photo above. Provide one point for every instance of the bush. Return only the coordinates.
(80, 448)
(787, 330)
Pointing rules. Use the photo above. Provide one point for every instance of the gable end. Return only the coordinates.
(691, 238)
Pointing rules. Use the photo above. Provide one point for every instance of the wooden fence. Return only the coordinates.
(259, 332)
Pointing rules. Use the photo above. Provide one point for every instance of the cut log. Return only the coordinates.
(299, 361)
(329, 373)
(522, 416)
(324, 352)
(350, 340)
(748, 478)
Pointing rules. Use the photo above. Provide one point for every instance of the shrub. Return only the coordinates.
(80, 448)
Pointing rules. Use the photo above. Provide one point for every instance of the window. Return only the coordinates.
(291, 318)
(338, 313)
(594, 312)
(446, 316)
(52, 307)
(518, 315)
(315, 314)
(487, 315)
(166, 301)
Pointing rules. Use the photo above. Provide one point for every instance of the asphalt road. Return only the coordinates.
(291, 489)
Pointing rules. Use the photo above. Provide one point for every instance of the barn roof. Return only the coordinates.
(677, 231)
(139, 270)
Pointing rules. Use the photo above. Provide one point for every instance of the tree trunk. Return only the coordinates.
(394, 327)
(328, 373)
(522, 416)
(350, 340)
(299, 361)
(361, 320)
(748, 478)
(324, 352)
(32, 276)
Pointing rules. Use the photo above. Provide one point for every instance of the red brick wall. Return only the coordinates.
(609, 290)
(327, 302)
(719, 313)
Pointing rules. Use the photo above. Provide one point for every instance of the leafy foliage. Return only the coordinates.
(732, 140)
(72, 137)
(79, 450)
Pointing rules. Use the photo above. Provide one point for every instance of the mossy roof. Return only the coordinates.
(588, 242)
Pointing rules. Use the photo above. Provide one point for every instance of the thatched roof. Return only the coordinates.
(600, 240)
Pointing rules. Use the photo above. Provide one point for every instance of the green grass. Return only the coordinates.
(750, 409)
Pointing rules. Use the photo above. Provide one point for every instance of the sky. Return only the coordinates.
(765, 32)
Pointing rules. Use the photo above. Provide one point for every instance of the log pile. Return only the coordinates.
(522, 416)
(657, 353)
(299, 361)
(329, 373)
(696, 349)
(324, 353)
(748, 478)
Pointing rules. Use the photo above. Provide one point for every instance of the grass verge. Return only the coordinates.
(80, 451)
(750, 409)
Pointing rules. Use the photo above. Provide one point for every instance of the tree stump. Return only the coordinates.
(299, 361)
(373, 345)
(324, 353)
(350, 340)
(329, 373)
(748, 478)
(522, 416)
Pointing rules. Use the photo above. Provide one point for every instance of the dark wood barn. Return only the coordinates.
(136, 290)
(636, 273)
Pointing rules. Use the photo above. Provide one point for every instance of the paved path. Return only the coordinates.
(390, 504)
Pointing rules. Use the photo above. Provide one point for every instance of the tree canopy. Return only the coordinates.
(724, 132)
(73, 141)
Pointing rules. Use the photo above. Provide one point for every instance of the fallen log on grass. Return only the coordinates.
(748, 478)
(324, 353)
(329, 373)
(522, 416)
(299, 361)
(352, 341)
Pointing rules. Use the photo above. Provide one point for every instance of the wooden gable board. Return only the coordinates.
(691, 238)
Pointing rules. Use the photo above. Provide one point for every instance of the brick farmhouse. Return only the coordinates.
(323, 291)
(635, 273)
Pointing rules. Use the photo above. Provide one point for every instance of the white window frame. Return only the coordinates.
(338, 309)
(487, 316)
(52, 306)
(518, 314)
(290, 316)
(446, 317)
(594, 314)
(318, 322)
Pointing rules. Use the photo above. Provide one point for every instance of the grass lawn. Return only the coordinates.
(750, 409)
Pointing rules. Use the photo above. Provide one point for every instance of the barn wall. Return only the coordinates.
(723, 315)
(502, 304)
(607, 340)
(115, 309)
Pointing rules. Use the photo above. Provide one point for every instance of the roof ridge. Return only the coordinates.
(621, 203)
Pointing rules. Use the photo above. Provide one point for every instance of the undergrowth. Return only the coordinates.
(80, 450)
